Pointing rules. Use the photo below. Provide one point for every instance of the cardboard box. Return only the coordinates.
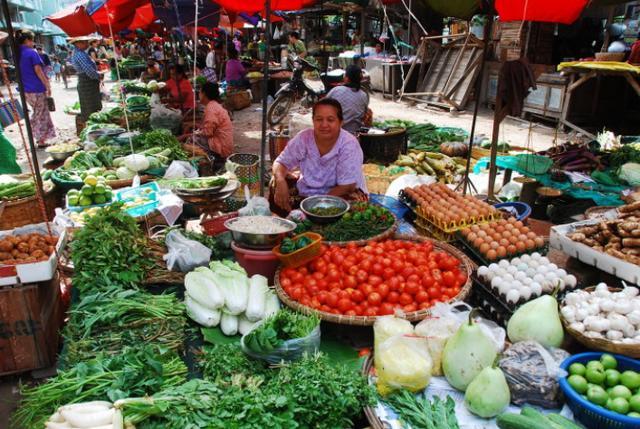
(603, 261)
(37, 271)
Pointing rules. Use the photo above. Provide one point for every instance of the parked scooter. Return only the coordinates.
(299, 88)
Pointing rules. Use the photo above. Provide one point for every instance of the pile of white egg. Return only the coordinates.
(525, 277)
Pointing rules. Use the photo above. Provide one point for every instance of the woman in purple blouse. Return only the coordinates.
(36, 88)
(329, 158)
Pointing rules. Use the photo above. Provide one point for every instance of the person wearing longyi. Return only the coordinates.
(329, 158)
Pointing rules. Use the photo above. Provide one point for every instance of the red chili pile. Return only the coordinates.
(375, 279)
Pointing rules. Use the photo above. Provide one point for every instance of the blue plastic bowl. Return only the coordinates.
(523, 209)
(591, 415)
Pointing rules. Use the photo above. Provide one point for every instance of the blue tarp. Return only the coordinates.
(181, 13)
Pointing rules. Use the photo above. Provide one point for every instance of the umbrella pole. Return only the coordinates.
(23, 100)
(265, 90)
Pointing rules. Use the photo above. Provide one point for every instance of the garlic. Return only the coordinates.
(631, 291)
(607, 305)
(614, 335)
(634, 317)
(569, 314)
(573, 298)
(592, 334)
(629, 330)
(623, 307)
(577, 326)
(581, 314)
(618, 321)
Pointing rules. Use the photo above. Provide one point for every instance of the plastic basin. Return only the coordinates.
(263, 262)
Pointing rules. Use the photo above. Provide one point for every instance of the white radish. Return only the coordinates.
(80, 419)
(229, 324)
(56, 418)
(57, 425)
(118, 419)
(258, 287)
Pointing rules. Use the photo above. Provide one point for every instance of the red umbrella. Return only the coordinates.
(157, 39)
(143, 18)
(74, 20)
(559, 11)
(253, 6)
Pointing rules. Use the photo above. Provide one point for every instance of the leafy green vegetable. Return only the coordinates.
(282, 326)
(310, 393)
(624, 154)
(16, 190)
(133, 372)
(418, 412)
(221, 362)
(165, 140)
(361, 222)
(105, 322)
(109, 252)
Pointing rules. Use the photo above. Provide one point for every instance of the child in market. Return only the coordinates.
(57, 69)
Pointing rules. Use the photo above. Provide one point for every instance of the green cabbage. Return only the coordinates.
(630, 172)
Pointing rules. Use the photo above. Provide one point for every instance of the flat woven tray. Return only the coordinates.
(382, 236)
(467, 267)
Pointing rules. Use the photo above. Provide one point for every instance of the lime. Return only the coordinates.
(619, 405)
(597, 395)
(73, 192)
(609, 404)
(595, 364)
(85, 201)
(578, 382)
(620, 391)
(612, 377)
(73, 200)
(91, 180)
(634, 414)
(577, 369)
(595, 376)
(608, 361)
(100, 189)
(634, 403)
(630, 379)
(86, 190)
(100, 199)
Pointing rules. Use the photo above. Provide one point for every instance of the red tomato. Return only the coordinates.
(374, 298)
(371, 311)
(424, 305)
(410, 308)
(449, 279)
(388, 273)
(412, 288)
(286, 282)
(375, 280)
(333, 275)
(413, 278)
(362, 276)
(323, 284)
(318, 275)
(393, 297)
(448, 263)
(350, 281)
(322, 297)
(394, 283)
(366, 289)
(325, 308)
(357, 296)
(386, 308)
(296, 293)
(306, 301)
(462, 278)
(319, 265)
(405, 299)
(350, 313)
(353, 270)
(303, 270)
(422, 296)
(313, 290)
(359, 309)
(383, 290)
(397, 265)
(377, 269)
(427, 280)
(434, 292)
(332, 299)
(343, 294)
(297, 277)
(344, 305)
(386, 262)
(364, 352)
(366, 265)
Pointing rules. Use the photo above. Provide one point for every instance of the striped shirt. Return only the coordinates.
(83, 63)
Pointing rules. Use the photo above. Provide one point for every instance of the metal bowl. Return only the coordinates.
(61, 156)
(259, 240)
(323, 201)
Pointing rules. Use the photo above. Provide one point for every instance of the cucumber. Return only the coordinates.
(534, 414)
(518, 421)
(563, 421)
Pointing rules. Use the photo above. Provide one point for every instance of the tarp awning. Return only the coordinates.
(253, 6)
(181, 13)
(562, 12)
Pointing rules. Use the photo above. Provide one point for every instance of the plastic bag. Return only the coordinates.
(532, 373)
(408, 181)
(180, 170)
(403, 363)
(386, 327)
(164, 117)
(256, 206)
(289, 351)
(443, 322)
(185, 254)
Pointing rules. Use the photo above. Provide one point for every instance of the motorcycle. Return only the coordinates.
(299, 88)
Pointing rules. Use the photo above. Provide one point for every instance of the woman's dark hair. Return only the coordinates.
(211, 90)
(295, 34)
(329, 102)
(179, 69)
(24, 35)
(233, 54)
(354, 74)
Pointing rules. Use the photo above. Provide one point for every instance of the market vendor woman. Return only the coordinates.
(329, 158)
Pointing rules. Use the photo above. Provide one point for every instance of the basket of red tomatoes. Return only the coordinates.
(354, 284)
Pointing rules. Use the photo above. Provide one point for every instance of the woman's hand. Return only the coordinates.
(281, 196)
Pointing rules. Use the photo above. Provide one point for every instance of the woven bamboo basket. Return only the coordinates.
(630, 350)
(597, 212)
(125, 183)
(467, 267)
(26, 211)
(370, 412)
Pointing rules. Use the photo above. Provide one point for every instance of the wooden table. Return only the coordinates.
(579, 76)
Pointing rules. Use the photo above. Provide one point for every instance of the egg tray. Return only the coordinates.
(430, 230)
(448, 227)
(479, 258)
(491, 304)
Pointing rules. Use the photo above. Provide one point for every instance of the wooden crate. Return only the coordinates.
(30, 318)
